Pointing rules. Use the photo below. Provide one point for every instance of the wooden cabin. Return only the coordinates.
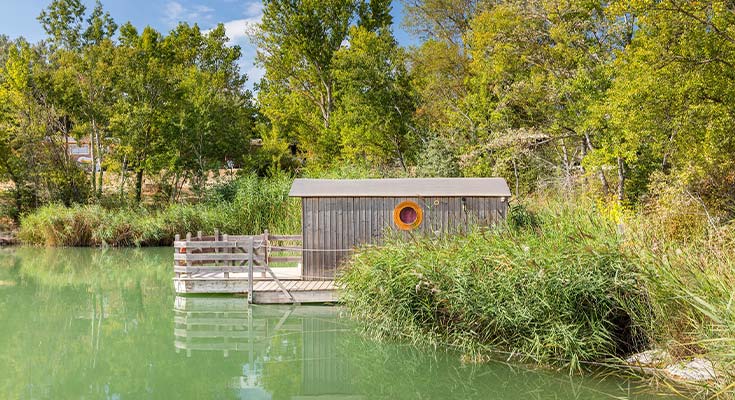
(338, 215)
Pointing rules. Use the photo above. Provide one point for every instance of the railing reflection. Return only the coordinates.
(284, 349)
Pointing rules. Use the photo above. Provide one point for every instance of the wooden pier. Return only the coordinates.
(266, 268)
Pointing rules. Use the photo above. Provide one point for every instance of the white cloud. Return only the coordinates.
(253, 9)
(239, 30)
(175, 12)
(255, 74)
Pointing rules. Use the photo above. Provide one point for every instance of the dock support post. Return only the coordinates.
(177, 238)
(250, 270)
(226, 238)
(267, 247)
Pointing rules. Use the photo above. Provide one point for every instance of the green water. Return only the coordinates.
(105, 324)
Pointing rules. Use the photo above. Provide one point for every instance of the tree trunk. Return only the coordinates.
(515, 174)
(621, 179)
(174, 187)
(99, 160)
(138, 185)
(123, 173)
(567, 166)
(93, 152)
(600, 173)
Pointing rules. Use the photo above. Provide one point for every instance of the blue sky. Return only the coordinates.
(18, 18)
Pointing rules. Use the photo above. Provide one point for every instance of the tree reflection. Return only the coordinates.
(103, 324)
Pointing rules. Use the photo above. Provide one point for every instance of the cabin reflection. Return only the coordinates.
(286, 351)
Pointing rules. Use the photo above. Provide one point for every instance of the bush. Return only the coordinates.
(248, 205)
(564, 292)
(691, 285)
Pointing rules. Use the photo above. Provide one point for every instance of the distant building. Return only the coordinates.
(79, 150)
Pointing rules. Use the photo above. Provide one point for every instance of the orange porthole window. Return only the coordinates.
(407, 215)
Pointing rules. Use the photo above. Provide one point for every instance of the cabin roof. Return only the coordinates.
(400, 187)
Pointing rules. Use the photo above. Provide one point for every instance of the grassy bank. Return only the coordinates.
(559, 290)
(247, 205)
(561, 286)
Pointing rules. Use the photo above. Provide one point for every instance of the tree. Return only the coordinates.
(670, 106)
(215, 119)
(297, 45)
(34, 134)
(375, 100)
(62, 20)
(144, 114)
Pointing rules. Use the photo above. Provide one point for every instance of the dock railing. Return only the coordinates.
(229, 257)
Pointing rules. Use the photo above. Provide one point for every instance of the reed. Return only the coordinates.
(555, 288)
(248, 205)
(566, 284)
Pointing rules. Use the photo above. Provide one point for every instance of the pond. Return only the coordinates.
(105, 324)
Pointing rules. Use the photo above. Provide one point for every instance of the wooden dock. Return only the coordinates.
(8, 238)
(266, 268)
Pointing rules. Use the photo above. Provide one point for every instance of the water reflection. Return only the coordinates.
(313, 352)
(105, 324)
(287, 351)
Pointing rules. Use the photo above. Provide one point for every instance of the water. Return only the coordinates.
(105, 324)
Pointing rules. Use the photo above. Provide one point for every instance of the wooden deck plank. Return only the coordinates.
(266, 291)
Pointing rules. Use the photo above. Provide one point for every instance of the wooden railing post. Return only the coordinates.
(225, 238)
(216, 239)
(188, 250)
(250, 269)
(177, 238)
(267, 255)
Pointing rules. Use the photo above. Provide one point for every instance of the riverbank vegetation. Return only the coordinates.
(559, 288)
(622, 99)
(560, 284)
(246, 204)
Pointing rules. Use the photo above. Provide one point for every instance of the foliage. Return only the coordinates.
(336, 84)
(691, 284)
(563, 293)
(171, 106)
(248, 205)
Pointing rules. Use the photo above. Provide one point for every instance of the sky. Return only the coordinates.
(18, 18)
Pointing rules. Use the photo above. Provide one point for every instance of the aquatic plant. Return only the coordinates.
(254, 204)
(561, 293)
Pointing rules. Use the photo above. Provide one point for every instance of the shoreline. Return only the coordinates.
(9, 239)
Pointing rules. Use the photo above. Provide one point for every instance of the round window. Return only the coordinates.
(407, 215)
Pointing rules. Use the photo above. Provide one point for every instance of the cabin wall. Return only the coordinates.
(338, 224)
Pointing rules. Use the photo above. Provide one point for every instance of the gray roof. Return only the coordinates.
(400, 187)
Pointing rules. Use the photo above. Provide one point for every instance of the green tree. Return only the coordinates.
(672, 102)
(298, 42)
(34, 133)
(376, 103)
(143, 115)
(85, 77)
(215, 118)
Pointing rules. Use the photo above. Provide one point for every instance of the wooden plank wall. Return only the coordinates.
(337, 224)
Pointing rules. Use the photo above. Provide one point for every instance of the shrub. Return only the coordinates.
(248, 205)
(564, 292)
(57, 225)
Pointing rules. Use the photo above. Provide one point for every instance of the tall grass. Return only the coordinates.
(565, 284)
(692, 287)
(558, 290)
(248, 205)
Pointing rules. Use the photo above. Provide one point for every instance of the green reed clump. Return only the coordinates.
(691, 285)
(57, 225)
(560, 293)
(254, 204)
